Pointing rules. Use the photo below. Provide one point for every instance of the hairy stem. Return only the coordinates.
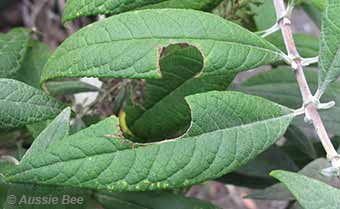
(311, 110)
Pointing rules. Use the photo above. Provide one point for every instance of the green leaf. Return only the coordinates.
(27, 196)
(265, 16)
(280, 85)
(60, 88)
(296, 137)
(330, 45)
(164, 112)
(150, 200)
(130, 45)
(21, 104)
(255, 174)
(55, 131)
(320, 4)
(13, 47)
(205, 5)
(312, 170)
(75, 9)
(33, 64)
(228, 129)
(311, 193)
(308, 46)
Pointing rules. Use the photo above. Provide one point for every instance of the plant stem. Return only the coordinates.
(311, 110)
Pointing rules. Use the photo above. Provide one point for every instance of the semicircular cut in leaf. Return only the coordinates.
(163, 112)
(330, 45)
(310, 193)
(129, 45)
(21, 104)
(280, 85)
(228, 129)
(75, 9)
(13, 47)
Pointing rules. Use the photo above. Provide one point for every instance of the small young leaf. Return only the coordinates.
(13, 47)
(164, 112)
(310, 193)
(330, 45)
(21, 104)
(55, 131)
(150, 200)
(60, 88)
(75, 9)
(129, 45)
(228, 129)
(278, 192)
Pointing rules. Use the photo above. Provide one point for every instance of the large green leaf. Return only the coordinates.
(75, 9)
(280, 85)
(330, 45)
(130, 45)
(311, 193)
(228, 129)
(164, 112)
(150, 200)
(21, 104)
(312, 170)
(56, 130)
(13, 47)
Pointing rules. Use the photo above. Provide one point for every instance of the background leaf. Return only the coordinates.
(75, 9)
(310, 193)
(224, 136)
(150, 200)
(128, 48)
(21, 104)
(279, 192)
(13, 47)
(60, 88)
(330, 45)
(280, 85)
